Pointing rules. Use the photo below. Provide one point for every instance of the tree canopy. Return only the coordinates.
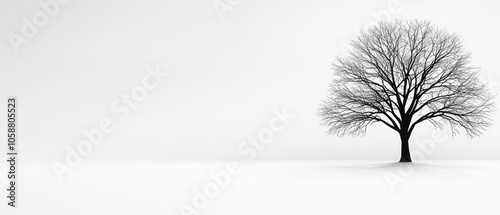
(402, 73)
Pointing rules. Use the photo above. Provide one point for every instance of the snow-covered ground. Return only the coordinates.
(262, 187)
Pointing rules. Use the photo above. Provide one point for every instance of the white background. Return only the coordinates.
(226, 76)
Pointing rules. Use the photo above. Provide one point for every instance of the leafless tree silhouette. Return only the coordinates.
(401, 74)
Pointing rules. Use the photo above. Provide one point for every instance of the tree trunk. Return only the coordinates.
(405, 150)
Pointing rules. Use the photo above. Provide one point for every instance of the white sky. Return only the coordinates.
(226, 76)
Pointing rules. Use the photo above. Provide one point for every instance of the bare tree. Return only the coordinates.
(402, 74)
